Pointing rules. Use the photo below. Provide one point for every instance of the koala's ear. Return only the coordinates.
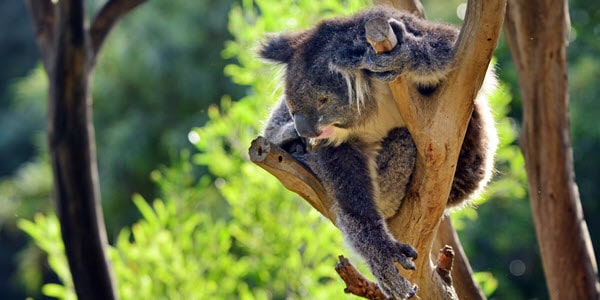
(278, 48)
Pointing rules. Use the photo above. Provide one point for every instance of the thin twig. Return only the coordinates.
(356, 283)
(106, 19)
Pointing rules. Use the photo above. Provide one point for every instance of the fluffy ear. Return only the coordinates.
(278, 48)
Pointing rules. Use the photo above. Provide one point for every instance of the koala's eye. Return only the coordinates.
(322, 101)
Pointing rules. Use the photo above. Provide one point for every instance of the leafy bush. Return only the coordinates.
(235, 232)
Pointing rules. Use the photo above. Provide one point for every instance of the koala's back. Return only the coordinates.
(330, 58)
(476, 158)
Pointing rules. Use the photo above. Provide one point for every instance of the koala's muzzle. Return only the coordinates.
(304, 126)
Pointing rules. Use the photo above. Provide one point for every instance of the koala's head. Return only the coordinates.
(325, 91)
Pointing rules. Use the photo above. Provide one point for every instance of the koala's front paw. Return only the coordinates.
(385, 66)
(297, 148)
(385, 269)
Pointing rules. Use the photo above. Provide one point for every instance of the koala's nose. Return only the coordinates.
(303, 126)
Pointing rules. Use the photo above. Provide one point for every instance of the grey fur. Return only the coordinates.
(336, 96)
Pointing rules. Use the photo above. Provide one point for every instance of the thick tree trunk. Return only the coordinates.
(68, 58)
(537, 33)
(69, 53)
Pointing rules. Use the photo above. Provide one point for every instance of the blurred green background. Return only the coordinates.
(178, 95)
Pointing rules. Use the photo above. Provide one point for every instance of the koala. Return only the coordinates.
(337, 116)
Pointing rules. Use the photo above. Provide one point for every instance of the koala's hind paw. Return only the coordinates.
(404, 255)
(386, 272)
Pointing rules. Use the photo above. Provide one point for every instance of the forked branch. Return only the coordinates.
(106, 19)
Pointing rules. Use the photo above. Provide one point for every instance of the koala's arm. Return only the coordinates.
(345, 172)
(280, 128)
(423, 53)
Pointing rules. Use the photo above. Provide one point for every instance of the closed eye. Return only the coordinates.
(322, 101)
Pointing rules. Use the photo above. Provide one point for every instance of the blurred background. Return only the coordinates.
(178, 96)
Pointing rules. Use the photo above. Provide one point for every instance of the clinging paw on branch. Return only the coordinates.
(371, 167)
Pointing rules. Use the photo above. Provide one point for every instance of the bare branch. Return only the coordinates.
(444, 263)
(73, 156)
(438, 127)
(356, 283)
(106, 19)
(475, 46)
(294, 176)
(42, 17)
(462, 273)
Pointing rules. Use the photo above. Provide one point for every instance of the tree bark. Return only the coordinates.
(438, 127)
(537, 34)
(68, 54)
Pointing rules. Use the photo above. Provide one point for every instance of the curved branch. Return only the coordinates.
(356, 283)
(106, 19)
(292, 174)
(73, 155)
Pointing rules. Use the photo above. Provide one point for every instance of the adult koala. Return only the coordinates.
(337, 97)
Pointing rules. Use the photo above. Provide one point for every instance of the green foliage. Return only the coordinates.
(222, 227)
(45, 230)
(156, 76)
(30, 185)
(235, 232)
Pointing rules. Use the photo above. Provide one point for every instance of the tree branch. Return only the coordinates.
(68, 58)
(438, 126)
(444, 264)
(106, 19)
(292, 174)
(462, 273)
(537, 33)
(73, 155)
(356, 283)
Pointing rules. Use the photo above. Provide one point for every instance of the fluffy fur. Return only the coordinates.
(336, 95)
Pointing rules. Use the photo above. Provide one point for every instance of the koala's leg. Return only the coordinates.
(346, 172)
(395, 165)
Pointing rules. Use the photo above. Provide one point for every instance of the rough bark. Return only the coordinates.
(438, 129)
(537, 33)
(68, 55)
(356, 283)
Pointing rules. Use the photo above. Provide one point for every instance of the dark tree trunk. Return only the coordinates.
(69, 53)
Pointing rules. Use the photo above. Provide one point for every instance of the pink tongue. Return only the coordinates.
(326, 132)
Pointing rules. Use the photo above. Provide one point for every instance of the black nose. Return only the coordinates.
(304, 127)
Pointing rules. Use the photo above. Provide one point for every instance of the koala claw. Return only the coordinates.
(387, 275)
(406, 255)
(385, 67)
